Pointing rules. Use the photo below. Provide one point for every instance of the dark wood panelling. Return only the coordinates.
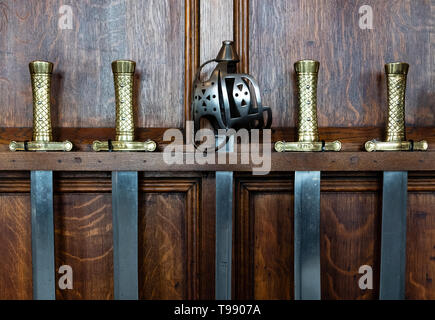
(83, 238)
(275, 161)
(350, 238)
(351, 211)
(420, 263)
(191, 51)
(176, 237)
(15, 247)
(168, 241)
(207, 232)
(149, 32)
(241, 33)
(352, 90)
(263, 245)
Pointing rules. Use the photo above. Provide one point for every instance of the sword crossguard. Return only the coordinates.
(40, 73)
(282, 146)
(308, 135)
(123, 77)
(395, 129)
(124, 146)
(374, 145)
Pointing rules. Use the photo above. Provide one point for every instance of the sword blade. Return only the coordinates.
(125, 234)
(224, 226)
(393, 239)
(307, 235)
(224, 233)
(41, 194)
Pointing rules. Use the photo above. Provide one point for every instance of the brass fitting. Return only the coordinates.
(40, 72)
(123, 76)
(308, 135)
(395, 131)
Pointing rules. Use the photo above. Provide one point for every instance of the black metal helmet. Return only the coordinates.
(228, 99)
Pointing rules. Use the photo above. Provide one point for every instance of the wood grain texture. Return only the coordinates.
(351, 212)
(350, 238)
(191, 51)
(279, 162)
(15, 247)
(207, 233)
(352, 90)
(216, 26)
(150, 32)
(241, 33)
(83, 240)
(168, 248)
(263, 248)
(420, 262)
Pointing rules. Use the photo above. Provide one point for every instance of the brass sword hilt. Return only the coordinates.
(395, 131)
(308, 135)
(40, 72)
(123, 76)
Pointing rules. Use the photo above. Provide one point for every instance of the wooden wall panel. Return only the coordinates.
(420, 263)
(273, 252)
(15, 247)
(150, 32)
(168, 247)
(83, 240)
(352, 90)
(263, 248)
(350, 238)
(216, 26)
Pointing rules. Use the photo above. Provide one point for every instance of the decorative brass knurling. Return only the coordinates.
(40, 73)
(395, 135)
(123, 77)
(308, 135)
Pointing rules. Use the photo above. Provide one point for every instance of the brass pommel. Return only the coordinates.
(123, 77)
(395, 133)
(308, 135)
(40, 67)
(307, 66)
(40, 73)
(123, 66)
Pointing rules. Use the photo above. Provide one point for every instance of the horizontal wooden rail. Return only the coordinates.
(280, 162)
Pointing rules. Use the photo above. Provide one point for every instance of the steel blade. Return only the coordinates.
(125, 234)
(224, 227)
(224, 230)
(41, 194)
(393, 239)
(307, 235)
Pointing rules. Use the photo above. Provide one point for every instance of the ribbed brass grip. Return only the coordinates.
(306, 82)
(123, 72)
(395, 135)
(40, 72)
(308, 134)
(396, 86)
